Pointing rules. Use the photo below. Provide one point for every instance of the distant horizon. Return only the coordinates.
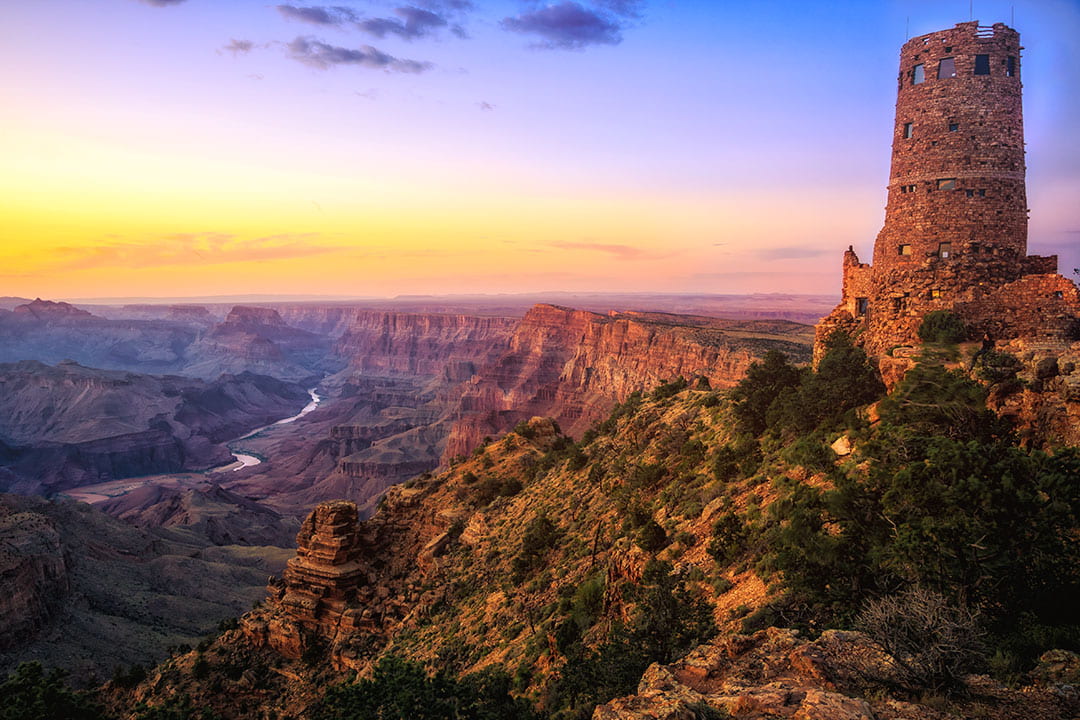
(286, 298)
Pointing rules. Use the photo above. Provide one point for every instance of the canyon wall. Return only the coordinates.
(575, 365)
(392, 343)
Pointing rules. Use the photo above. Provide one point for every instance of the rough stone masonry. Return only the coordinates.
(955, 233)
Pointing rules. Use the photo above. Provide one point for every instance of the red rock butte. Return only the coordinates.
(955, 233)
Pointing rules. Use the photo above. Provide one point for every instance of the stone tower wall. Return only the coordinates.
(957, 175)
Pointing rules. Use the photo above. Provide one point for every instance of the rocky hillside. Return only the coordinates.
(88, 593)
(68, 425)
(677, 532)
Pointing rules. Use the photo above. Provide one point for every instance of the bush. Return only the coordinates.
(729, 538)
(651, 537)
(930, 644)
(998, 367)
(764, 381)
(669, 389)
(942, 326)
(669, 619)
(30, 693)
(540, 535)
(401, 690)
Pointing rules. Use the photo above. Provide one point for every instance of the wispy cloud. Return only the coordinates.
(238, 47)
(318, 15)
(791, 252)
(623, 252)
(567, 26)
(485, 106)
(161, 3)
(206, 248)
(411, 23)
(318, 54)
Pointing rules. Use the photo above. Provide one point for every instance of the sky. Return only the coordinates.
(153, 148)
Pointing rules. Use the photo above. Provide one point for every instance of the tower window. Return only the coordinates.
(909, 130)
(970, 193)
(944, 249)
(1059, 295)
(982, 64)
(982, 193)
(904, 250)
(918, 75)
(935, 294)
(1010, 67)
(861, 306)
(946, 68)
(946, 184)
(953, 127)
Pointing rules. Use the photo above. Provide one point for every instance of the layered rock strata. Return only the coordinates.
(319, 585)
(574, 365)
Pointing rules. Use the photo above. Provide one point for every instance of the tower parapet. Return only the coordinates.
(955, 232)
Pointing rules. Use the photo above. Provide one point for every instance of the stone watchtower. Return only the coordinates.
(955, 234)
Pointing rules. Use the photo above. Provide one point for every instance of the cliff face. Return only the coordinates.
(33, 573)
(391, 343)
(574, 365)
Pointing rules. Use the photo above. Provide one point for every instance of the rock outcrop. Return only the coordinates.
(318, 590)
(33, 573)
(775, 673)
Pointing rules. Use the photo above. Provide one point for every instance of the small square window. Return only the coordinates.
(982, 64)
(908, 130)
(861, 306)
(1058, 295)
(982, 193)
(945, 250)
(904, 249)
(946, 184)
(970, 193)
(946, 68)
(953, 127)
(935, 294)
(918, 75)
(1010, 67)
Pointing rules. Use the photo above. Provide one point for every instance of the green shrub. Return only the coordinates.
(998, 367)
(651, 537)
(400, 690)
(31, 693)
(942, 326)
(669, 389)
(729, 538)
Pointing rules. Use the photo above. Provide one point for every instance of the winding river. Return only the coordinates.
(245, 460)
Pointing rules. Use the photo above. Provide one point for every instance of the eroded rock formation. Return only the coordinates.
(318, 590)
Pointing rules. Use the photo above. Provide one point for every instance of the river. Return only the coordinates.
(245, 460)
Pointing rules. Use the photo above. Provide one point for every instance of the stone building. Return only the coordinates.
(955, 233)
